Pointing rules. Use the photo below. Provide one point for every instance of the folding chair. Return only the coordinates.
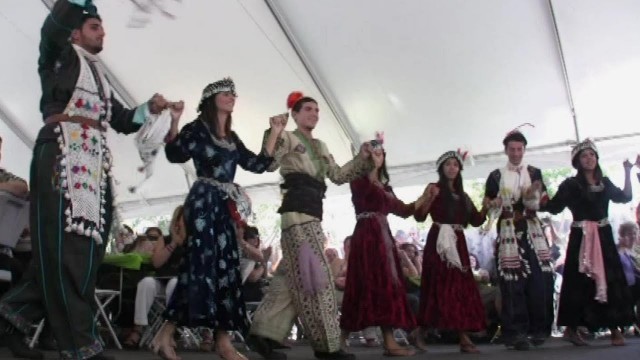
(155, 321)
(103, 297)
(36, 336)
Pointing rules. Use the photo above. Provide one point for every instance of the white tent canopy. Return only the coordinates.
(434, 75)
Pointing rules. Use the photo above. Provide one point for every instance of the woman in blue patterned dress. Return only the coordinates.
(209, 293)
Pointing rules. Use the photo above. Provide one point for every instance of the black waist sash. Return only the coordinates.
(303, 194)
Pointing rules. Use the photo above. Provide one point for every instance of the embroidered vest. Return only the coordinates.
(86, 160)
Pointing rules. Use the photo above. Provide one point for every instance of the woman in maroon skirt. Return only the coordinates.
(374, 292)
(449, 296)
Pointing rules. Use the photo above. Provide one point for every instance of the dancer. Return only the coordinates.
(594, 288)
(71, 198)
(449, 297)
(523, 258)
(374, 293)
(209, 292)
(303, 284)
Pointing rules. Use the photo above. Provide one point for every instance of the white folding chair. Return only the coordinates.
(103, 297)
(36, 336)
(155, 321)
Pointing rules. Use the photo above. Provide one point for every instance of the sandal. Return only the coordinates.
(133, 340)
(230, 354)
(617, 339)
(399, 351)
(469, 348)
(417, 341)
(371, 343)
(575, 339)
(166, 352)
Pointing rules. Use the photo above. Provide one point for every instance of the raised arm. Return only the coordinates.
(282, 147)
(356, 167)
(248, 160)
(177, 149)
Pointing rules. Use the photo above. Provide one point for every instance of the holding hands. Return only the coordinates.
(492, 204)
(278, 122)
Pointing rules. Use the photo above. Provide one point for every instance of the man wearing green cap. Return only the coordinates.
(71, 197)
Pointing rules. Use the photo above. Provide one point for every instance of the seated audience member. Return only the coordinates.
(166, 257)
(125, 236)
(627, 240)
(252, 265)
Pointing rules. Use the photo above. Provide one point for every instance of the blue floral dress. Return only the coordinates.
(209, 286)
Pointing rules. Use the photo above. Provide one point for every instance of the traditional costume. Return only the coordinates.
(374, 293)
(209, 289)
(303, 284)
(449, 296)
(594, 289)
(71, 190)
(522, 253)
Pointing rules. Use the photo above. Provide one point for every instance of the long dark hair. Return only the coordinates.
(458, 189)
(383, 173)
(209, 115)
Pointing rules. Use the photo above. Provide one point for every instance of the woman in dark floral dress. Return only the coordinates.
(209, 292)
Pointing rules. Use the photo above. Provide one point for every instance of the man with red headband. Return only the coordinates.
(303, 284)
(523, 256)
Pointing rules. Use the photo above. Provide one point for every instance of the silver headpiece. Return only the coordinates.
(219, 86)
(448, 155)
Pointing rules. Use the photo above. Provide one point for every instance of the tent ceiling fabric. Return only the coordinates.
(434, 75)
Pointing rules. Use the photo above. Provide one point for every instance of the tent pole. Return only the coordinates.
(12, 124)
(565, 73)
(324, 90)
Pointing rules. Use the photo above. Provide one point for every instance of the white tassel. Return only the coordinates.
(67, 196)
(80, 229)
(63, 174)
(95, 234)
(63, 162)
(87, 232)
(74, 227)
(65, 151)
(67, 212)
(103, 211)
(56, 129)
(68, 229)
(64, 184)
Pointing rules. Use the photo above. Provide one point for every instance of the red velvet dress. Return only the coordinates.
(374, 292)
(449, 297)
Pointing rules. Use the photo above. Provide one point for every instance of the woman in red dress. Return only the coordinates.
(374, 292)
(449, 296)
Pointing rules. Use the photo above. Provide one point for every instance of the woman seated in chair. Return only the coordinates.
(165, 258)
